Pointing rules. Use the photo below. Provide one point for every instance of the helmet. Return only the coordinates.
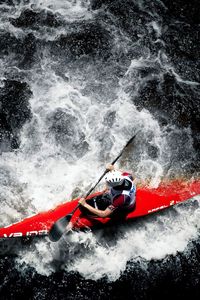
(114, 178)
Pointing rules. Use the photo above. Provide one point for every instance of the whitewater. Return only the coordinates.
(89, 76)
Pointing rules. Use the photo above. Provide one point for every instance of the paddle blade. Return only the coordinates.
(58, 228)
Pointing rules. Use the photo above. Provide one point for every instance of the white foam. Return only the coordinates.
(71, 9)
(48, 175)
(43, 173)
(107, 252)
(154, 239)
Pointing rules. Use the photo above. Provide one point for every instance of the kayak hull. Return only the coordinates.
(148, 200)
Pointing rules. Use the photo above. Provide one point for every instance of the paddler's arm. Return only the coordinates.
(100, 213)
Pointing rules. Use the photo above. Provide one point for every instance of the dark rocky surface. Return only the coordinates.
(15, 111)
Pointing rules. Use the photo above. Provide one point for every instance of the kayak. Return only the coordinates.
(148, 200)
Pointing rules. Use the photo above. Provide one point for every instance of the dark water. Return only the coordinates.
(77, 79)
(173, 277)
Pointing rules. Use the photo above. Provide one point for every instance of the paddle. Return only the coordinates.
(59, 227)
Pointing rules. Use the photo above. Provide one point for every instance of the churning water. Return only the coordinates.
(77, 80)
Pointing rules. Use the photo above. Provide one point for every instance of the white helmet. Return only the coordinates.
(114, 178)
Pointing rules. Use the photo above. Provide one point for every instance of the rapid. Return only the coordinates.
(77, 80)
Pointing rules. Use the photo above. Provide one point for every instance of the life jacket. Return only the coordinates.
(129, 199)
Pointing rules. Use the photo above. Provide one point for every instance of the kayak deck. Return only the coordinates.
(148, 200)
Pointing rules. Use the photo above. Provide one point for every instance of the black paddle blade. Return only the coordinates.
(59, 228)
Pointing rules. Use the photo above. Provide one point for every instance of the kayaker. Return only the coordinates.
(120, 191)
(121, 188)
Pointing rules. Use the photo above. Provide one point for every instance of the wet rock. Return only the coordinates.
(34, 19)
(29, 49)
(9, 246)
(26, 19)
(109, 118)
(172, 101)
(9, 43)
(184, 10)
(171, 98)
(24, 49)
(7, 2)
(87, 39)
(182, 45)
(66, 129)
(132, 16)
(14, 112)
(153, 151)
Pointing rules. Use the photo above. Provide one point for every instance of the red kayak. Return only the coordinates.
(148, 200)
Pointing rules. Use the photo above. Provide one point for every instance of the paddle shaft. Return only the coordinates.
(69, 216)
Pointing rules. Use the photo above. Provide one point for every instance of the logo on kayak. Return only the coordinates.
(28, 233)
(172, 202)
(157, 208)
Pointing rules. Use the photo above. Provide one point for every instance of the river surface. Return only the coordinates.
(78, 78)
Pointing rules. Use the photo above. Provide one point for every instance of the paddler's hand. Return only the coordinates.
(82, 201)
(105, 190)
(110, 167)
